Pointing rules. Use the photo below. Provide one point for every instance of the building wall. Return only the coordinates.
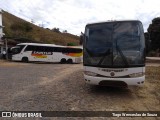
(1, 34)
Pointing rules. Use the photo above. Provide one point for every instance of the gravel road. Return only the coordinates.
(60, 87)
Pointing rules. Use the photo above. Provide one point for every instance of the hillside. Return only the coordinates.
(19, 29)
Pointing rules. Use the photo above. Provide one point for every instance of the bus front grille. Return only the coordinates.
(113, 83)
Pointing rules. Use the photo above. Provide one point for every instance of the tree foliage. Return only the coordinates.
(154, 32)
(56, 30)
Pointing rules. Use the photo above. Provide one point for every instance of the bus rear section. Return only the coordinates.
(114, 53)
(27, 52)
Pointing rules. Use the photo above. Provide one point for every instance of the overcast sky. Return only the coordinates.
(73, 15)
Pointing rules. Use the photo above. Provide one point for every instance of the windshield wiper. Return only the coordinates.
(122, 55)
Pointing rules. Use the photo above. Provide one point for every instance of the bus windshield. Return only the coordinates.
(17, 49)
(114, 44)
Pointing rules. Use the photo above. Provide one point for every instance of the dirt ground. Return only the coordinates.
(60, 87)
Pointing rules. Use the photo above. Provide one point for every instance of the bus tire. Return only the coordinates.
(63, 60)
(25, 59)
(70, 61)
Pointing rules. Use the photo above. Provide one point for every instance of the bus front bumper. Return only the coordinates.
(138, 81)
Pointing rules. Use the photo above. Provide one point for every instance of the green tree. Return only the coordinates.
(154, 31)
(71, 44)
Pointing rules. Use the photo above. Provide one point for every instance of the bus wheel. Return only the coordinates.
(63, 60)
(25, 59)
(70, 61)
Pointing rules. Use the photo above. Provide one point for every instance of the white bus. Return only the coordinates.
(46, 53)
(114, 53)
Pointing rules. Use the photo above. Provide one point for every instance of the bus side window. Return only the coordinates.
(78, 50)
(65, 50)
(48, 49)
(57, 49)
(29, 48)
(68, 50)
(39, 48)
(72, 50)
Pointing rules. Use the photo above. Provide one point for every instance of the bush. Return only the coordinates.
(71, 44)
(25, 27)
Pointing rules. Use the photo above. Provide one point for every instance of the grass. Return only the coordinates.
(151, 89)
(153, 73)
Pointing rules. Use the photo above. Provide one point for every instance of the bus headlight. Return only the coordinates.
(140, 74)
(90, 73)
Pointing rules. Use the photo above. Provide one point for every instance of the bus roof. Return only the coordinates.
(39, 44)
(51, 45)
(112, 21)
